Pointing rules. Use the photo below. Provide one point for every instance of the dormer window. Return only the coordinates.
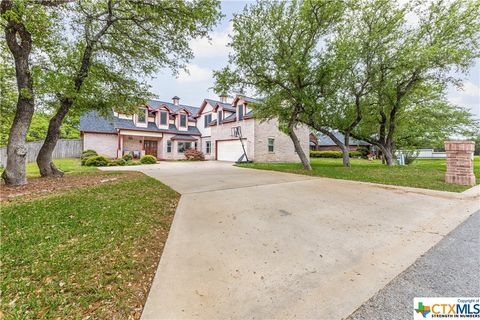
(141, 116)
(163, 118)
(220, 116)
(183, 120)
(208, 119)
(240, 112)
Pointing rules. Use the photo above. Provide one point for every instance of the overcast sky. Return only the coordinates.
(212, 55)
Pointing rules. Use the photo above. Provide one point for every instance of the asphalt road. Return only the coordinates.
(449, 269)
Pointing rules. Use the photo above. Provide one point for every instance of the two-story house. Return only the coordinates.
(165, 130)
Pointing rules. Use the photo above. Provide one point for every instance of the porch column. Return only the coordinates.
(120, 146)
(142, 152)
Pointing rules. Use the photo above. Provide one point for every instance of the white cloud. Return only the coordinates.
(468, 97)
(195, 74)
(216, 47)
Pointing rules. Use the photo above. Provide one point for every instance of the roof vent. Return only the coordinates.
(176, 100)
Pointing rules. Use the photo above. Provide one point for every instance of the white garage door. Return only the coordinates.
(230, 150)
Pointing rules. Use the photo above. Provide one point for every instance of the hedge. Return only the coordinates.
(334, 154)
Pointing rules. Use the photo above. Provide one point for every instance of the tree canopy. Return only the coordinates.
(276, 50)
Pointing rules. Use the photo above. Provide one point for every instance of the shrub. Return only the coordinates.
(148, 159)
(410, 156)
(355, 154)
(194, 155)
(120, 162)
(325, 154)
(364, 151)
(112, 164)
(96, 161)
(83, 160)
(133, 163)
(87, 154)
(127, 156)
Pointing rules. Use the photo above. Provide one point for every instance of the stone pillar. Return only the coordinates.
(460, 162)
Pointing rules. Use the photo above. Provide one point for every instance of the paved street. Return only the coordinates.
(449, 269)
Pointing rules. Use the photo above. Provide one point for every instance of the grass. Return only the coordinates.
(87, 252)
(67, 165)
(428, 174)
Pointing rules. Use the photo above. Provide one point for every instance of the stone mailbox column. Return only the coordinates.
(460, 162)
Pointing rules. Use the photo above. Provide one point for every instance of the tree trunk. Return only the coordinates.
(44, 158)
(298, 149)
(340, 144)
(15, 172)
(346, 150)
(19, 42)
(387, 152)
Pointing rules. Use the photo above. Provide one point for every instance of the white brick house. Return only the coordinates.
(165, 130)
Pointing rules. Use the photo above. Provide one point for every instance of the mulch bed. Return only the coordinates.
(38, 187)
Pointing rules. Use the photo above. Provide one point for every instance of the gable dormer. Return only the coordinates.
(140, 118)
(181, 119)
(163, 117)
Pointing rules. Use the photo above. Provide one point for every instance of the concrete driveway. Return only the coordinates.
(267, 245)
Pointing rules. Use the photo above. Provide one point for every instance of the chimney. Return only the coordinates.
(223, 98)
(175, 100)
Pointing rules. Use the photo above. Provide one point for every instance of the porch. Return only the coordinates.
(139, 144)
(163, 146)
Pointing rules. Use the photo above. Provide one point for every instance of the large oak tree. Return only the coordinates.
(111, 45)
(276, 53)
(28, 28)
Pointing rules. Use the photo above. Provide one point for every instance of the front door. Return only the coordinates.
(150, 147)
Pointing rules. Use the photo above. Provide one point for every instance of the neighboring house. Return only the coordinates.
(165, 130)
(321, 142)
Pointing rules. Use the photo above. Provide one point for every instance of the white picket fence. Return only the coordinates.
(65, 148)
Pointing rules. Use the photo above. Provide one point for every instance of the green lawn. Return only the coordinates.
(427, 174)
(87, 252)
(67, 165)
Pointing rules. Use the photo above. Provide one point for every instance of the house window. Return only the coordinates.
(240, 112)
(208, 147)
(271, 143)
(169, 146)
(163, 117)
(182, 146)
(141, 118)
(183, 120)
(208, 119)
(220, 116)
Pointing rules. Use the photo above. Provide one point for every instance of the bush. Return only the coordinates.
(148, 159)
(120, 162)
(410, 156)
(364, 151)
(325, 154)
(355, 154)
(87, 154)
(127, 156)
(96, 161)
(112, 164)
(133, 163)
(194, 155)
